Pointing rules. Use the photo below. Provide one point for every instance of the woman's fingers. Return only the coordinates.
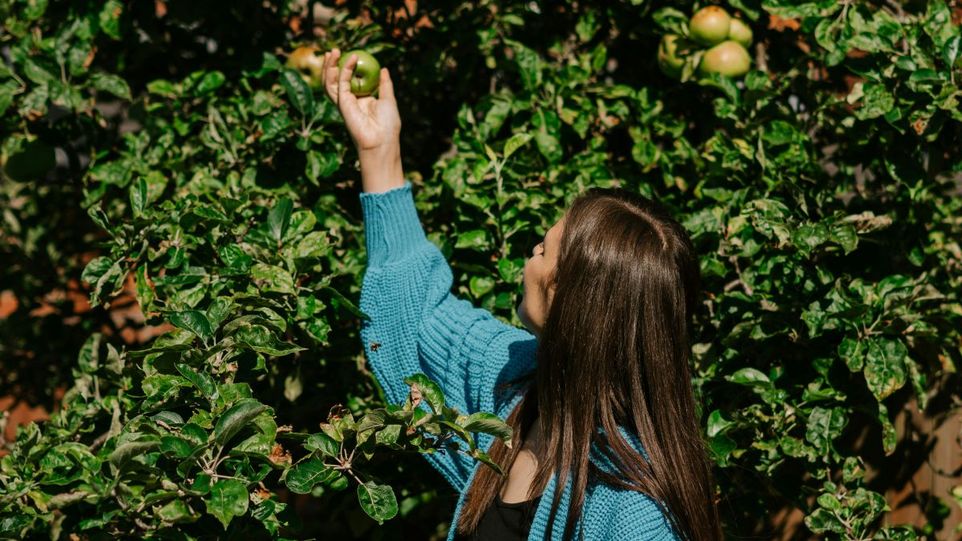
(361, 115)
(385, 86)
(344, 76)
(346, 100)
(330, 73)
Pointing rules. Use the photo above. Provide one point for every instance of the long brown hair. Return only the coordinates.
(614, 352)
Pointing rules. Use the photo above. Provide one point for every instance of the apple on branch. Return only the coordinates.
(367, 72)
(306, 61)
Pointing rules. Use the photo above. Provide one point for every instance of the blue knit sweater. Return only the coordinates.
(420, 326)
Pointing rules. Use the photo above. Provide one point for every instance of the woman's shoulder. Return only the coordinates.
(625, 513)
(619, 513)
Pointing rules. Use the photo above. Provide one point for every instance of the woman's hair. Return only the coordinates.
(614, 352)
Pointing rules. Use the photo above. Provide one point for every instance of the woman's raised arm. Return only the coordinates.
(416, 324)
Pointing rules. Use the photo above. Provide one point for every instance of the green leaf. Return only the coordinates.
(516, 141)
(111, 84)
(170, 418)
(272, 278)
(138, 196)
(338, 300)
(194, 321)
(280, 218)
(145, 294)
(587, 26)
(378, 501)
(321, 165)
(807, 237)
(228, 498)
(388, 435)
(298, 93)
(671, 20)
(480, 285)
(234, 256)
(302, 478)
(200, 378)
(109, 18)
(122, 454)
(176, 512)
(852, 352)
(218, 310)
(175, 447)
(822, 520)
(262, 340)
(529, 64)
(489, 423)
(476, 238)
(235, 419)
(88, 360)
(717, 424)
(429, 390)
(885, 370)
(314, 244)
(104, 275)
(889, 435)
(208, 82)
(722, 447)
(548, 126)
(876, 101)
(845, 236)
(823, 426)
(323, 443)
(34, 10)
(162, 87)
(484, 458)
(95, 269)
(749, 376)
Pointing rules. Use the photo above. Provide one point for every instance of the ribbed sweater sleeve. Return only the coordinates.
(417, 325)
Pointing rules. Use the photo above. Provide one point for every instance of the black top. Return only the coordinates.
(504, 521)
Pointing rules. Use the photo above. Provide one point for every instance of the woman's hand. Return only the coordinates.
(374, 123)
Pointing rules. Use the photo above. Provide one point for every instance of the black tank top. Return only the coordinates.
(504, 521)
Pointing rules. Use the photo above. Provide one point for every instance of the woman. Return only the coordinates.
(601, 368)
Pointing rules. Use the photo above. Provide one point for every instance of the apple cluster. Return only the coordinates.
(727, 40)
(308, 61)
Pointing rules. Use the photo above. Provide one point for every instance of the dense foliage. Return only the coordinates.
(166, 143)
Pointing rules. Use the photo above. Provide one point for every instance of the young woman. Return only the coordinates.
(597, 389)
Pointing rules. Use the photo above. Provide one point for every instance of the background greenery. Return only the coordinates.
(822, 192)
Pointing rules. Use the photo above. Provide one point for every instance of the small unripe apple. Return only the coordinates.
(669, 60)
(727, 58)
(304, 59)
(367, 72)
(740, 32)
(709, 25)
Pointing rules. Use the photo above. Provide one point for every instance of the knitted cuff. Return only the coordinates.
(391, 225)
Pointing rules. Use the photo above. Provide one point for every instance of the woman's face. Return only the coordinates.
(538, 285)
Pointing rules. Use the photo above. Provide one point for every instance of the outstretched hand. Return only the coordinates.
(374, 123)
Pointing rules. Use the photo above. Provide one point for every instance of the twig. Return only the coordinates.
(99, 441)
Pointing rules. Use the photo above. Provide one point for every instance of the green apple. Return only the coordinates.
(669, 60)
(367, 72)
(740, 32)
(304, 59)
(709, 25)
(727, 58)
(30, 162)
